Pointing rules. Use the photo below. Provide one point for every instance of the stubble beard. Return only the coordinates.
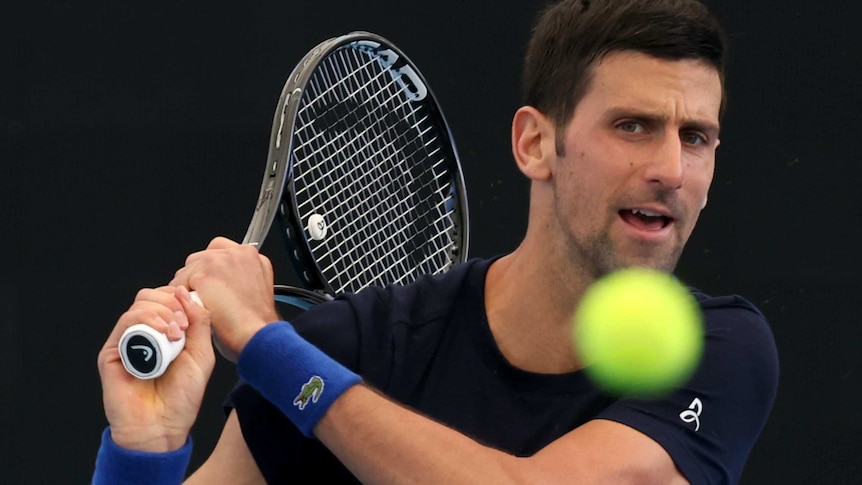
(597, 254)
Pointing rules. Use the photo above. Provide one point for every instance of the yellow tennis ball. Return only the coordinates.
(638, 332)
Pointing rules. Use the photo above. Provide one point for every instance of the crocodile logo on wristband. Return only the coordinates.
(310, 391)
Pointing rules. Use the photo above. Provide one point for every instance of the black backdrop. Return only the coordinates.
(133, 132)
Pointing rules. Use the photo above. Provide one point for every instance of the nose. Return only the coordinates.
(666, 167)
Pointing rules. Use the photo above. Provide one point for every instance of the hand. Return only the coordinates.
(235, 283)
(157, 414)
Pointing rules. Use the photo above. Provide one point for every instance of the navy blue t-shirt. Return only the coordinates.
(428, 345)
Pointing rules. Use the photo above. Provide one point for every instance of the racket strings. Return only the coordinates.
(380, 214)
(339, 120)
(346, 176)
(398, 198)
(383, 219)
(339, 103)
(334, 155)
(426, 264)
(356, 196)
(402, 269)
(371, 144)
(352, 176)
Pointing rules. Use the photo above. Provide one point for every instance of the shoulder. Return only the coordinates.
(710, 424)
(740, 356)
(738, 335)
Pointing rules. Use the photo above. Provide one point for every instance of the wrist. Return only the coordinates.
(148, 439)
(231, 343)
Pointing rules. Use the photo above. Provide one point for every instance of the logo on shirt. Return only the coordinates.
(692, 414)
(310, 391)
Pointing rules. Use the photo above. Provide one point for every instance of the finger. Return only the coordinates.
(199, 333)
(155, 315)
(194, 261)
(180, 278)
(166, 295)
(160, 317)
(163, 295)
(222, 253)
(196, 312)
(222, 243)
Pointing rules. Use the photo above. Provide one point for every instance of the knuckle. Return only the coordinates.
(146, 312)
(143, 294)
(166, 289)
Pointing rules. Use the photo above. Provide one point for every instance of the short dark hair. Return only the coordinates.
(572, 36)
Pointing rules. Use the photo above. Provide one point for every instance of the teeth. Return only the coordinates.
(646, 213)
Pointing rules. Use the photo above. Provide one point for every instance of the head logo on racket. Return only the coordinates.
(402, 73)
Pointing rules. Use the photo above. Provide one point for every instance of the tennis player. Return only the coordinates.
(470, 377)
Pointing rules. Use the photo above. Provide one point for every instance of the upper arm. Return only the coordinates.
(603, 451)
(709, 425)
(230, 461)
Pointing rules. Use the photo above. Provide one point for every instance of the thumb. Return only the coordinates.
(199, 332)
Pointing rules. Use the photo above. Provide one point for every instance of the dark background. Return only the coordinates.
(133, 132)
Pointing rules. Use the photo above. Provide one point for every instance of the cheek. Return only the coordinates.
(699, 190)
(699, 180)
(580, 193)
(596, 166)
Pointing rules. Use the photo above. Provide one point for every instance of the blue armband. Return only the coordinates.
(116, 465)
(293, 374)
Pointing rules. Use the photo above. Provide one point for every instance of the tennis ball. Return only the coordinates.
(638, 332)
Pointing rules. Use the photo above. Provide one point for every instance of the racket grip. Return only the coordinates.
(146, 353)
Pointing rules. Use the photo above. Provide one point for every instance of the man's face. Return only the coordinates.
(638, 160)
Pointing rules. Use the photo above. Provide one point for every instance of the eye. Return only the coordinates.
(693, 138)
(631, 127)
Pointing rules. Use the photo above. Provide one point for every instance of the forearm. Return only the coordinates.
(370, 433)
(230, 462)
(382, 442)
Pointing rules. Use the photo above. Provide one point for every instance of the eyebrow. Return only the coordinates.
(708, 127)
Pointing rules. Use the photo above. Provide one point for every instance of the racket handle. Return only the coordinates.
(146, 353)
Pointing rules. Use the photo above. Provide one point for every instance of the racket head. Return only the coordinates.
(363, 178)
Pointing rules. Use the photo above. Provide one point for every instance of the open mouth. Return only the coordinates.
(645, 220)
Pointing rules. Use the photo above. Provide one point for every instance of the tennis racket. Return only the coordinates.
(362, 181)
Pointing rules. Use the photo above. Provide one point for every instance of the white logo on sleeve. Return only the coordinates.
(692, 414)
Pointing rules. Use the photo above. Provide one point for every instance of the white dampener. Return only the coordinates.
(146, 353)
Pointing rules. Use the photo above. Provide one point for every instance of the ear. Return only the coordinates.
(533, 143)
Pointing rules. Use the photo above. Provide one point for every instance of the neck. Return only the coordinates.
(530, 296)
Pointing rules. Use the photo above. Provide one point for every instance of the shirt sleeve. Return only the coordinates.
(709, 425)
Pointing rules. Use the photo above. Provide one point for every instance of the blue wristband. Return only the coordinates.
(116, 465)
(293, 374)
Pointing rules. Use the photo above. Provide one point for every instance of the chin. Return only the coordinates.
(603, 255)
(666, 263)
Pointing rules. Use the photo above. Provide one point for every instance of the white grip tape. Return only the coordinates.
(146, 353)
